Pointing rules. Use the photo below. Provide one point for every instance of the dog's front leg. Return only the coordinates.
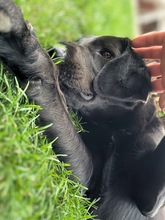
(21, 52)
(149, 181)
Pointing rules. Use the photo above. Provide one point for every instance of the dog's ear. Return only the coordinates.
(125, 77)
(126, 42)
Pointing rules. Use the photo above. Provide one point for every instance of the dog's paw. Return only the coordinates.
(21, 52)
(11, 18)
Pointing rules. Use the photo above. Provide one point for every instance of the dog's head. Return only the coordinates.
(103, 75)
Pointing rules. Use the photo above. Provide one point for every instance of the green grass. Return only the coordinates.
(33, 183)
(66, 20)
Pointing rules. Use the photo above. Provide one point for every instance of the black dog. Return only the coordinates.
(121, 157)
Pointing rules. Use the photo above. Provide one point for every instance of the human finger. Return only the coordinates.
(157, 86)
(149, 39)
(154, 69)
(149, 52)
(162, 101)
(162, 64)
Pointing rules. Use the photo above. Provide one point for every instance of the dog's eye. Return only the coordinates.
(106, 54)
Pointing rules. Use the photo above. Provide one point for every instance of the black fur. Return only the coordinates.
(121, 157)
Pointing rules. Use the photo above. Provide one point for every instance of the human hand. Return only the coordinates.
(152, 46)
